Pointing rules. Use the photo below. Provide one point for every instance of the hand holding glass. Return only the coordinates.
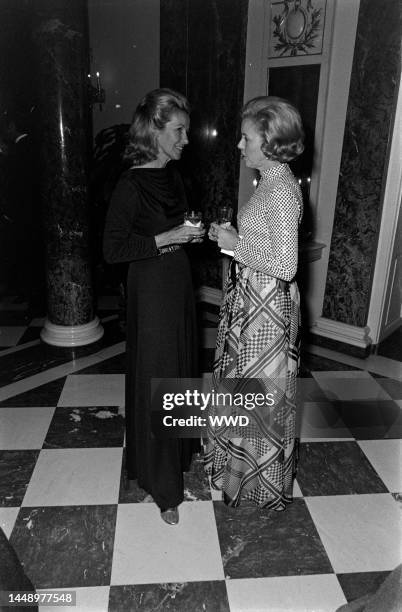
(192, 217)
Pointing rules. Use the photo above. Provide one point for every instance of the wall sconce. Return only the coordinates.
(96, 92)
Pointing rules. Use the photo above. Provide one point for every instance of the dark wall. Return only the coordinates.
(368, 131)
(203, 46)
(17, 93)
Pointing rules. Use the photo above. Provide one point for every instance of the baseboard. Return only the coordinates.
(341, 337)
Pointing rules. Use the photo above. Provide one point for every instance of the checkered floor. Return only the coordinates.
(66, 510)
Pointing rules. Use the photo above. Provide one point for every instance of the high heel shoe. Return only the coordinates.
(170, 516)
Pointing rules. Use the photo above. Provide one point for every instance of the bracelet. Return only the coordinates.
(169, 249)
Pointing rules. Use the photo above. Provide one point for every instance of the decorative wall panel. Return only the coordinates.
(297, 27)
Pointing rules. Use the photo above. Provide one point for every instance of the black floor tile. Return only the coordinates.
(67, 546)
(208, 596)
(361, 583)
(114, 365)
(31, 333)
(16, 467)
(391, 347)
(44, 395)
(336, 468)
(41, 357)
(371, 419)
(88, 427)
(259, 543)
(196, 484)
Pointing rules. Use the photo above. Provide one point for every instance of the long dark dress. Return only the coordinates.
(161, 328)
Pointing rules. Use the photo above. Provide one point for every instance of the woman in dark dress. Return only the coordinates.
(144, 226)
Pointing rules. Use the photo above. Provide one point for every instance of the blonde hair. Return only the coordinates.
(152, 114)
(279, 124)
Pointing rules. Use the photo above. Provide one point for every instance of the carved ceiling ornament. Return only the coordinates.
(296, 27)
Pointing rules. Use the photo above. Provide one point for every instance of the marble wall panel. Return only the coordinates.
(369, 124)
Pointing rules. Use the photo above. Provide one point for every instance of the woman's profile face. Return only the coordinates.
(250, 146)
(173, 137)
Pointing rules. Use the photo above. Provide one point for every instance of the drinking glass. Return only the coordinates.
(193, 217)
(225, 214)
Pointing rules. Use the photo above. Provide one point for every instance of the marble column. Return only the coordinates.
(368, 132)
(60, 36)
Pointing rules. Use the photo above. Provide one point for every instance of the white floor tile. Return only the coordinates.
(24, 428)
(315, 593)
(386, 458)
(78, 476)
(7, 519)
(95, 599)
(147, 550)
(360, 533)
(297, 490)
(10, 336)
(350, 386)
(93, 390)
(319, 420)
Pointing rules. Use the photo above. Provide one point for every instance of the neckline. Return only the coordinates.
(274, 171)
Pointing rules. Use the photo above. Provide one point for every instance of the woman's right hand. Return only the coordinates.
(213, 232)
(181, 234)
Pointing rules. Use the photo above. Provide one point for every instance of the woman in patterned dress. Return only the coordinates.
(258, 338)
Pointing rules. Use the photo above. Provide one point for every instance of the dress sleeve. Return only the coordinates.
(120, 242)
(275, 250)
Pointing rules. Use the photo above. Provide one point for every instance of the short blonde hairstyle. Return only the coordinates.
(279, 124)
(152, 114)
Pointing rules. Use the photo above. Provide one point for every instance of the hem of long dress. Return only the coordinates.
(162, 507)
(278, 505)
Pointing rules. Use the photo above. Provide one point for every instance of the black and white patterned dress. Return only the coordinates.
(258, 338)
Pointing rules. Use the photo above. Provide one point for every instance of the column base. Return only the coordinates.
(72, 335)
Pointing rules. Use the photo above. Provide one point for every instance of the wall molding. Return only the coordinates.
(342, 332)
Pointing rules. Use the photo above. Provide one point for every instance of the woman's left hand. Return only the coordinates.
(227, 237)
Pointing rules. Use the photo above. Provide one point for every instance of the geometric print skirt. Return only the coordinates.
(257, 357)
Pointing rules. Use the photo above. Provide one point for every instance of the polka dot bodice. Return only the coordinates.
(268, 224)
